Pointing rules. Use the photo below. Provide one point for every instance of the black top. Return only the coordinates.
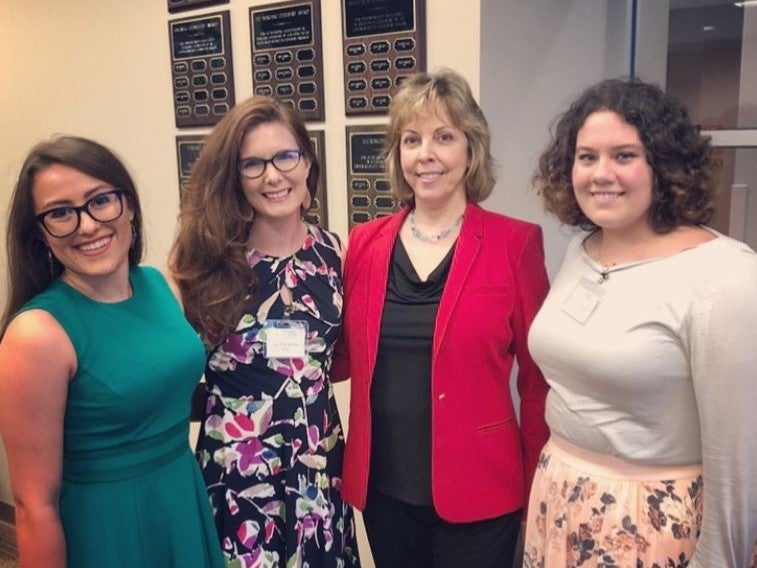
(401, 386)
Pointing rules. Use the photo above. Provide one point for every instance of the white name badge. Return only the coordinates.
(583, 300)
(285, 339)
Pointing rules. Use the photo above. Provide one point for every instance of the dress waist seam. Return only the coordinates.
(126, 462)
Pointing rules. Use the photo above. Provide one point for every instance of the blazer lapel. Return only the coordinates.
(466, 251)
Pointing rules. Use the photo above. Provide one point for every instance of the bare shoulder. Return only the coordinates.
(37, 328)
(31, 334)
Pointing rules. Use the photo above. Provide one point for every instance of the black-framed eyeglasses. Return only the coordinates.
(284, 161)
(64, 221)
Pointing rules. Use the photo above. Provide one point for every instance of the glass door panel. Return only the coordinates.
(712, 61)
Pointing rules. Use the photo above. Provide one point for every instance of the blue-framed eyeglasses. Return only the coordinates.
(64, 221)
(284, 161)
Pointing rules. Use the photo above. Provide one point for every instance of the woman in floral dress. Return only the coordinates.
(264, 289)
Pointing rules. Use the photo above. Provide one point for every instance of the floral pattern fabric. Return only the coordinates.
(581, 519)
(271, 442)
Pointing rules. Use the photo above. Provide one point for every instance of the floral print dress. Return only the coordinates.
(271, 442)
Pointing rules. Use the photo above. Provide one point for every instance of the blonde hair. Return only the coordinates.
(448, 90)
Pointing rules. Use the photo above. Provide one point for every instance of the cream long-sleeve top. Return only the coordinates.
(657, 364)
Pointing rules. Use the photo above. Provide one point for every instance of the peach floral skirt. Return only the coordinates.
(594, 511)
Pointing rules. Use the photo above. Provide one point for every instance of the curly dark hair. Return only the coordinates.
(683, 162)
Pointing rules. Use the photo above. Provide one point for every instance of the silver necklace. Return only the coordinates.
(432, 238)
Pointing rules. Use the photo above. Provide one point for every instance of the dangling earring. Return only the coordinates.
(50, 263)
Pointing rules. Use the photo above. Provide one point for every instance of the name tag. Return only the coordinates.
(583, 300)
(285, 339)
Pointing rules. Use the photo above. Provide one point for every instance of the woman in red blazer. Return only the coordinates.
(438, 302)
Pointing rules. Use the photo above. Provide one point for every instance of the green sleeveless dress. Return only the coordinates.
(132, 495)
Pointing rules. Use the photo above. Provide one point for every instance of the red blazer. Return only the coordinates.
(482, 462)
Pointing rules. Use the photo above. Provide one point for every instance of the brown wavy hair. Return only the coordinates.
(29, 270)
(448, 90)
(683, 163)
(208, 259)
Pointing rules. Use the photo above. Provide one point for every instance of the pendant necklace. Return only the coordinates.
(432, 238)
(604, 273)
(607, 269)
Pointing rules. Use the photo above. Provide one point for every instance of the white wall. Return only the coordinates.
(101, 68)
(537, 57)
(652, 40)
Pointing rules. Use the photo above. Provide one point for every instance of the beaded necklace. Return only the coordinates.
(432, 238)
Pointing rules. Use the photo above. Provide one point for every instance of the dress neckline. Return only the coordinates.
(94, 301)
(254, 256)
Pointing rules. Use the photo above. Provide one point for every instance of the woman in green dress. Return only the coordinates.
(97, 366)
